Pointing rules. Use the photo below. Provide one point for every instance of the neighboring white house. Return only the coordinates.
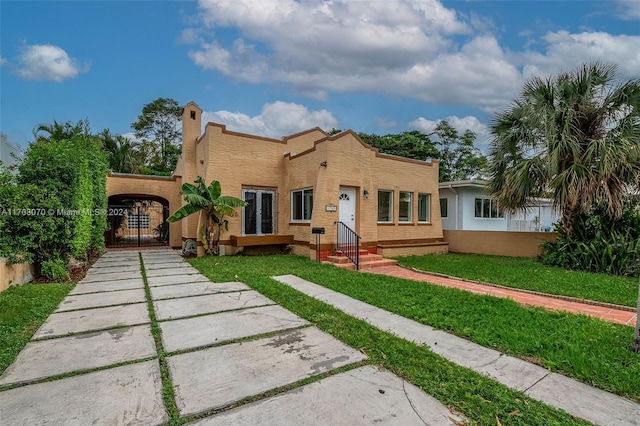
(465, 205)
(7, 151)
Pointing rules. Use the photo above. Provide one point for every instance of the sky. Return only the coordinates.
(277, 67)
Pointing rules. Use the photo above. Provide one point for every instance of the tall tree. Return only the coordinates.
(413, 144)
(158, 123)
(575, 137)
(459, 158)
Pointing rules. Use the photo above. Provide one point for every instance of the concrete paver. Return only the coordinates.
(47, 358)
(113, 268)
(63, 323)
(572, 396)
(373, 397)
(96, 300)
(208, 304)
(112, 276)
(176, 279)
(110, 262)
(131, 395)
(166, 265)
(195, 289)
(218, 328)
(101, 286)
(597, 406)
(182, 270)
(240, 370)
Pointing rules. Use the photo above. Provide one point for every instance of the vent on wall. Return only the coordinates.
(193, 115)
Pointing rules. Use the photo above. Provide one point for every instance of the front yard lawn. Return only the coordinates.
(480, 399)
(528, 274)
(591, 350)
(22, 310)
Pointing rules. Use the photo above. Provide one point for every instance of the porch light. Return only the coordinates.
(323, 164)
(366, 194)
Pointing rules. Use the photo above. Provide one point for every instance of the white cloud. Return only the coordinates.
(276, 119)
(403, 48)
(47, 62)
(566, 51)
(629, 10)
(400, 48)
(3, 61)
(461, 124)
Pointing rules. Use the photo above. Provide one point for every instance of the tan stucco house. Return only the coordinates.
(300, 182)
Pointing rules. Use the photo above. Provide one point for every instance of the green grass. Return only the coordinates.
(528, 274)
(480, 399)
(22, 310)
(588, 349)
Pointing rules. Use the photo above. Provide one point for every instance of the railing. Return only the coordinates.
(349, 243)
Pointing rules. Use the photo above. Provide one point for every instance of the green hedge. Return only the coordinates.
(55, 208)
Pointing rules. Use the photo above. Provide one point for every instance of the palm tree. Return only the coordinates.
(123, 158)
(575, 138)
(216, 207)
(57, 131)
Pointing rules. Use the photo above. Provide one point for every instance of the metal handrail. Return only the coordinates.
(348, 243)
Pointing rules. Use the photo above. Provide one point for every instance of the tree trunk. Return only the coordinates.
(635, 345)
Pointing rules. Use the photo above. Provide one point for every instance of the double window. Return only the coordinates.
(487, 208)
(301, 204)
(258, 214)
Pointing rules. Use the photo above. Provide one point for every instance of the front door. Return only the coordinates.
(257, 215)
(347, 207)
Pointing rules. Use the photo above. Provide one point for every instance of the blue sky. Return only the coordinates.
(276, 67)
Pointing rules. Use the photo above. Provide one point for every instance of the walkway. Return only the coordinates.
(576, 398)
(227, 354)
(611, 313)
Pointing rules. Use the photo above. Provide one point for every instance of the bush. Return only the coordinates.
(56, 205)
(599, 243)
(55, 270)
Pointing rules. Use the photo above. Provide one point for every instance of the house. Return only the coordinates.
(295, 185)
(465, 205)
(8, 152)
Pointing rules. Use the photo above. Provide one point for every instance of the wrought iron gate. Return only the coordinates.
(141, 224)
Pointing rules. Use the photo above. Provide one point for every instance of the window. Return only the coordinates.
(385, 206)
(444, 207)
(132, 221)
(487, 208)
(301, 204)
(424, 207)
(258, 214)
(404, 206)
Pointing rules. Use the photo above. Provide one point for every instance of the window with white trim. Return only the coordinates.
(301, 204)
(385, 206)
(405, 206)
(487, 208)
(444, 207)
(424, 207)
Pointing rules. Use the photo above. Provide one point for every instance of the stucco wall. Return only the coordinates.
(19, 273)
(164, 187)
(500, 243)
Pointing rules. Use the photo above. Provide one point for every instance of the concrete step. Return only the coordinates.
(368, 261)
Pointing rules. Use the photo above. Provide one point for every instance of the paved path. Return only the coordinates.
(610, 313)
(576, 398)
(96, 360)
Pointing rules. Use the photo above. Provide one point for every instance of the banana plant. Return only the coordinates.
(201, 197)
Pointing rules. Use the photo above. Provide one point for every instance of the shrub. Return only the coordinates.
(599, 243)
(60, 200)
(54, 269)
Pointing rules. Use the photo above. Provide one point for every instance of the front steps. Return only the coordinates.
(367, 261)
